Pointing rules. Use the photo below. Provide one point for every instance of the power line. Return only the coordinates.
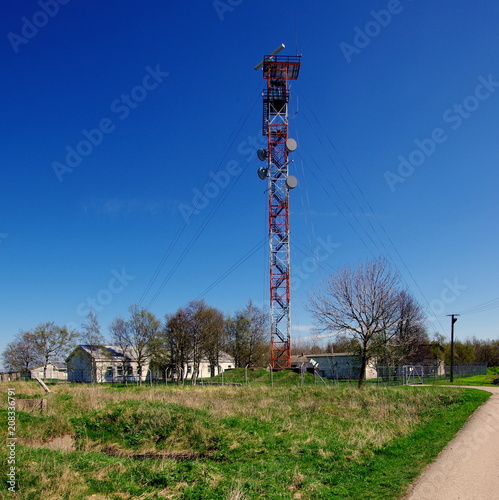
(194, 239)
(309, 221)
(307, 251)
(232, 268)
(362, 209)
(386, 251)
(234, 134)
(371, 210)
(486, 306)
(340, 210)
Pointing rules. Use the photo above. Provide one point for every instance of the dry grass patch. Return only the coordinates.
(371, 417)
(236, 492)
(55, 481)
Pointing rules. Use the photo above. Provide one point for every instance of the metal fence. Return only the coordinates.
(461, 371)
(423, 373)
(381, 375)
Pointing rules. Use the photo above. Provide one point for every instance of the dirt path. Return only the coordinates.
(468, 467)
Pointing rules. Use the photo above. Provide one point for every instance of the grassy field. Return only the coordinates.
(232, 443)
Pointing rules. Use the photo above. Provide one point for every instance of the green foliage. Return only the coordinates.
(136, 424)
(464, 353)
(486, 351)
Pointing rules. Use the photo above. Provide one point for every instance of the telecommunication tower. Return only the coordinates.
(278, 71)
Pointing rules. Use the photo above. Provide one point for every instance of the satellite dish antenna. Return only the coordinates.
(291, 145)
(263, 173)
(262, 154)
(291, 181)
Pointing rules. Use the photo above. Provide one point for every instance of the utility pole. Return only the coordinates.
(452, 321)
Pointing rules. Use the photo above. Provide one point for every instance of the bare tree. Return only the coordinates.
(361, 303)
(160, 353)
(21, 355)
(92, 337)
(120, 338)
(206, 335)
(51, 342)
(143, 330)
(212, 324)
(303, 347)
(237, 329)
(259, 339)
(411, 336)
(248, 336)
(195, 311)
(177, 333)
(342, 343)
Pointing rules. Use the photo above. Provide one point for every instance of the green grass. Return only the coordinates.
(264, 377)
(286, 442)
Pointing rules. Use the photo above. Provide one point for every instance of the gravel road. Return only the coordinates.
(468, 467)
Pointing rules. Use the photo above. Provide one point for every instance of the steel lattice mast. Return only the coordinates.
(278, 71)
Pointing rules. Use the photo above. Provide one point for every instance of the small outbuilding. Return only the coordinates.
(8, 376)
(341, 366)
(56, 370)
(302, 362)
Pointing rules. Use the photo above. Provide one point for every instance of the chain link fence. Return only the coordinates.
(423, 373)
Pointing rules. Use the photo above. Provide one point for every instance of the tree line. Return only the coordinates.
(474, 351)
(192, 334)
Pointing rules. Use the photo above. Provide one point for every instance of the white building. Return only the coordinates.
(56, 370)
(225, 362)
(105, 363)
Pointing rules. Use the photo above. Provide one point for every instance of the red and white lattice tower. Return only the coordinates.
(278, 71)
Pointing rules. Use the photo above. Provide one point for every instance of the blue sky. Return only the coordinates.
(117, 116)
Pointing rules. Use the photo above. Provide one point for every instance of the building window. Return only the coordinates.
(109, 372)
(119, 371)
